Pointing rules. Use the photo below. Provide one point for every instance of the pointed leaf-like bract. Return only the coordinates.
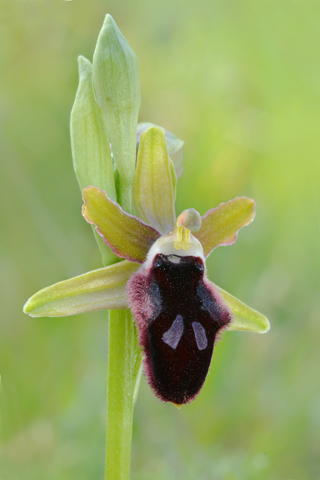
(174, 146)
(89, 139)
(90, 145)
(244, 318)
(116, 84)
(128, 236)
(220, 225)
(153, 188)
(97, 290)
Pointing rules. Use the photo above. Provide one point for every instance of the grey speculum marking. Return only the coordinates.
(173, 336)
(200, 334)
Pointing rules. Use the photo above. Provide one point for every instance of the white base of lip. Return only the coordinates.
(165, 246)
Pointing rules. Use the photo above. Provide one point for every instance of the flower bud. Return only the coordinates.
(116, 85)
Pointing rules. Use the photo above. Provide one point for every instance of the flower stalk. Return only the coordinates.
(124, 363)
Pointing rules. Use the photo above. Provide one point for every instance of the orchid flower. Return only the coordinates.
(178, 312)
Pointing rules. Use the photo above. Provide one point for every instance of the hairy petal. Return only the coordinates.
(243, 317)
(100, 289)
(128, 236)
(220, 225)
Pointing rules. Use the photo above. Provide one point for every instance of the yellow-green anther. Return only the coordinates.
(188, 221)
(181, 238)
(90, 145)
(116, 85)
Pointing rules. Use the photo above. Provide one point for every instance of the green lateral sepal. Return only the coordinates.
(100, 289)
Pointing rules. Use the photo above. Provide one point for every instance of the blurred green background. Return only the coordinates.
(239, 82)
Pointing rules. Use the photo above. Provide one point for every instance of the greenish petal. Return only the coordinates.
(243, 317)
(220, 225)
(116, 84)
(174, 145)
(153, 188)
(128, 236)
(97, 290)
(90, 145)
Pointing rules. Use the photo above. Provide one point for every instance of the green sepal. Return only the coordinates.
(100, 289)
(90, 145)
(174, 178)
(174, 145)
(116, 85)
(153, 192)
(128, 236)
(243, 317)
(220, 225)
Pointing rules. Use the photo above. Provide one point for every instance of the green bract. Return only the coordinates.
(90, 145)
(89, 137)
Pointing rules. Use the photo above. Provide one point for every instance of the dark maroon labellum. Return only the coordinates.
(178, 315)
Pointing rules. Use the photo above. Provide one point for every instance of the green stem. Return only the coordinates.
(125, 194)
(123, 373)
